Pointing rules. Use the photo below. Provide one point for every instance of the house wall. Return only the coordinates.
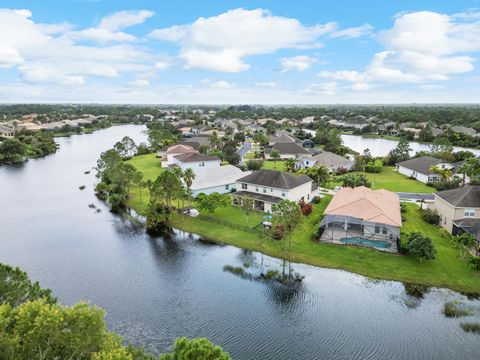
(293, 194)
(282, 156)
(197, 165)
(448, 213)
(218, 189)
(409, 172)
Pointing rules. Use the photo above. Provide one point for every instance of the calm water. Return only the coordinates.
(156, 289)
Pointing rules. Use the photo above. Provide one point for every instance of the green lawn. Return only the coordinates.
(447, 270)
(274, 165)
(148, 164)
(391, 180)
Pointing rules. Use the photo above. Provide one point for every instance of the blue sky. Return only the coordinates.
(272, 52)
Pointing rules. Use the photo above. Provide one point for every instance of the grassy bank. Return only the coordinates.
(447, 270)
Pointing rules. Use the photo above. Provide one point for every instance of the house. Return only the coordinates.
(221, 179)
(325, 158)
(175, 150)
(6, 132)
(419, 168)
(287, 150)
(464, 130)
(363, 217)
(195, 160)
(459, 210)
(308, 120)
(196, 142)
(269, 187)
(282, 136)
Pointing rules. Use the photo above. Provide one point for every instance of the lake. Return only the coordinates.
(381, 147)
(157, 289)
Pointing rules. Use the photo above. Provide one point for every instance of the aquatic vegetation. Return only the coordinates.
(471, 327)
(456, 309)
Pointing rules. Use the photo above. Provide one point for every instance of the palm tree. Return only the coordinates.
(188, 177)
(290, 164)
(320, 174)
(179, 173)
(445, 174)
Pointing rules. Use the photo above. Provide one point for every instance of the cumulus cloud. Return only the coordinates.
(220, 84)
(296, 63)
(221, 42)
(43, 56)
(327, 88)
(267, 84)
(420, 47)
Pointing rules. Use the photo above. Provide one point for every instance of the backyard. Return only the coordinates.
(447, 270)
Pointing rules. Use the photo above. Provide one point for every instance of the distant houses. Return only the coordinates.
(6, 132)
(331, 161)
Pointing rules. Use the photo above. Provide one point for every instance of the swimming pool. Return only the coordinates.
(361, 241)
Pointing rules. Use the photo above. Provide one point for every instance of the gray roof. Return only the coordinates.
(421, 164)
(6, 128)
(275, 179)
(289, 148)
(257, 196)
(467, 196)
(329, 159)
(282, 136)
(195, 157)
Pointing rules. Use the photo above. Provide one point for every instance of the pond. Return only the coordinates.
(157, 289)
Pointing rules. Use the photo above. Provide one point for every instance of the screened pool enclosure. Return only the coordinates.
(342, 229)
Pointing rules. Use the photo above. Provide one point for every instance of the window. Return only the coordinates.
(384, 231)
(469, 212)
(264, 190)
(202, 164)
(283, 194)
(227, 187)
(244, 186)
(271, 190)
(308, 196)
(377, 229)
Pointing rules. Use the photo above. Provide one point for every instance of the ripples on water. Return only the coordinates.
(157, 289)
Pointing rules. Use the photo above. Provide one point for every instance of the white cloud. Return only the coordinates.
(296, 63)
(220, 84)
(43, 56)
(221, 42)
(267, 84)
(139, 82)
(123, 19)
(162, 65)
(102, 35)
(361, 86)
(353, 32)
(420, 47)
(327, 88)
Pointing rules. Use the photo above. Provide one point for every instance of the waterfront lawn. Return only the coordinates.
(274, 165)
(447, 270)
(148, 164)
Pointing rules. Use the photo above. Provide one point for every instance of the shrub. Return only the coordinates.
(403, 207)
(374, 166)
(341, 170)
(475, 263)
(254, 165)
(471, 327)
(306, 209)
(420, 246)
(456, 309)
(430, 216)
(316, 200)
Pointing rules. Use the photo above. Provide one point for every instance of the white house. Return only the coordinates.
(269, 187)
(6, 132)
(221, 179)
(287, 150)
(196, 161)
(175, 150)
(419, 168)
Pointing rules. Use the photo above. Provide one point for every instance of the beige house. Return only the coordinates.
(459, 209)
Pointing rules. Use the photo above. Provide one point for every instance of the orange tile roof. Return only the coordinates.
(181, 149)
(380, 206)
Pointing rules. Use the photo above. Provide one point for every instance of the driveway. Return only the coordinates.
(244, 149)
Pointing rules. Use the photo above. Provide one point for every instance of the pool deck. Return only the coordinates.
(334, 236)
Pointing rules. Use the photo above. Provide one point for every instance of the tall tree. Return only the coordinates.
(188, 177)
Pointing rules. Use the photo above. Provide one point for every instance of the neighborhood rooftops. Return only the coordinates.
(195, 157)
(421, 164)
(180, 149)
(380, 206)
(467, 196)
(275, 179)
(289, 148)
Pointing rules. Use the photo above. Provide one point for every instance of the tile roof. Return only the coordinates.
(380, 206)
(467, 196)
(195, 157)
(421, 164)
(289, 148)
(180, 149)
(275, 179)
